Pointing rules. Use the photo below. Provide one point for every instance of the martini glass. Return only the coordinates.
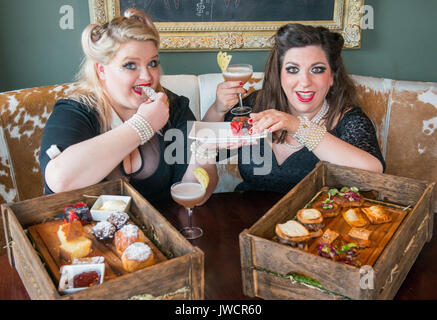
(239, 72)
(188, 195)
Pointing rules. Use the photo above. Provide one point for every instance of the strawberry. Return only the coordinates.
(236, 127)
(71, 216)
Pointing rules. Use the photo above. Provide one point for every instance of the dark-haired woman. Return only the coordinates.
(309, 104)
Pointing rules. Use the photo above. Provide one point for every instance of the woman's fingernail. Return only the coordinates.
(241, 83)
(250, 121)
(251, 131)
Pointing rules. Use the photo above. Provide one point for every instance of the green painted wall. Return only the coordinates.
(35, 51)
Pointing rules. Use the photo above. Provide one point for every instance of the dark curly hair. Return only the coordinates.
(341, 96)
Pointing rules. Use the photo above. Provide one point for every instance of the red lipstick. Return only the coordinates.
(138, 90)
(305, 96)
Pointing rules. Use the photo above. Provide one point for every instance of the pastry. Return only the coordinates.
(104, 230)
(329, 236)
(354, 217)
(376, 214)
(138, 255)
(118, 219)
(359, 236)
(127, 235)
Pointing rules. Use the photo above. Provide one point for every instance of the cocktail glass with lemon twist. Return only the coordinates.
(188, 195)
(242, 73)
(235, 72)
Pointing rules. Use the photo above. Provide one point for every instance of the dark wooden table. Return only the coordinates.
(222, 218)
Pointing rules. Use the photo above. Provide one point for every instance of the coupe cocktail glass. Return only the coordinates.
(239, 72)
(188, 195)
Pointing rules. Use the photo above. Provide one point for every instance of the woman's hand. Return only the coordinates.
(227, 95)
(273, 120)
(156, 112)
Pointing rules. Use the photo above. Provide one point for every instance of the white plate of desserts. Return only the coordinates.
(107, 204)
(216, 132)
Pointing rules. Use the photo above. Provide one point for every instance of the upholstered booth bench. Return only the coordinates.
(404, 113)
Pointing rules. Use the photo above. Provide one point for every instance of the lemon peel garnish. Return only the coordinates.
(223, 60)
(201, 176)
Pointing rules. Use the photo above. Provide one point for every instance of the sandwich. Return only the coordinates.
(348, 197)
(354, 217)
(376, 214)
(359, 236)
(311, 219)
(327, 207)
(293, 233)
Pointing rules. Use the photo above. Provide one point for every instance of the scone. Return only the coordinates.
(127, 235)
(137, 256)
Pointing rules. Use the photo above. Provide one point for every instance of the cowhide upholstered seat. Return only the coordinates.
(404, 113)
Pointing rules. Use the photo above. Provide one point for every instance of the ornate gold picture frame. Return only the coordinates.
(238, 35)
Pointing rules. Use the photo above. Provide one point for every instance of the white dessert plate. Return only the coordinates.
(100, 213)
(215, 132)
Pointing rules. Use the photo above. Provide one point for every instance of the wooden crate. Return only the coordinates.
(267, 264)
(180, 275)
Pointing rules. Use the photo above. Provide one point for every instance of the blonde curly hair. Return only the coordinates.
(100, 43)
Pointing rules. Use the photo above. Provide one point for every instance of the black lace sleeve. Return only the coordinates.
(357, 129)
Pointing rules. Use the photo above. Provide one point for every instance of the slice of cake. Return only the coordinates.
(73, 242)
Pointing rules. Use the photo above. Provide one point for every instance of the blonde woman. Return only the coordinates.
(108, 128)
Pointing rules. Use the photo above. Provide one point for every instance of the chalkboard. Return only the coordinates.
(233, 10)
(235, 24)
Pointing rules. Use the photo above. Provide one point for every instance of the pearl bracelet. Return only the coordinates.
(202, 154)
(309, 134)
(142, 127)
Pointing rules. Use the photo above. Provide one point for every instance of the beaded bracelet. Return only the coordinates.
(142, 127)
(203, 154)
(309, 134)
